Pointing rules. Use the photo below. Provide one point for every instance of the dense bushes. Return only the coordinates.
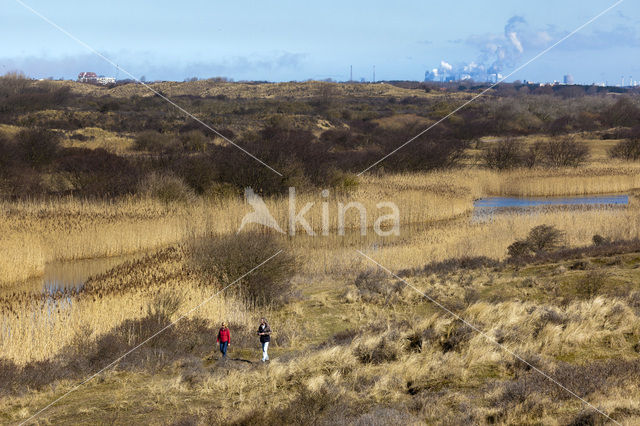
(7, 154)
(20, 95)
(98, 173)
(361, 131)
(222, 260)
(37, 147)
(509, 153)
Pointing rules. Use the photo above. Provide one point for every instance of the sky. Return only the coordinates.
(284, 40)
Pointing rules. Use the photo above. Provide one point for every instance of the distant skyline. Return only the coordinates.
(290, 40)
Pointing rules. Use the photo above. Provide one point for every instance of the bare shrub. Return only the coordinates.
(519, 249)
(565, 152)
(223, 259)
(166, 188)
(194, 141)
(375, 285)
(534, 156)
(628, 149)
(506, 154)
(599, 240)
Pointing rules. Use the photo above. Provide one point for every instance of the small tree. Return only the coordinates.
(544, 238)
(541, 239)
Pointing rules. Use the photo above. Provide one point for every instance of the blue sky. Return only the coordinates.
(293, 40)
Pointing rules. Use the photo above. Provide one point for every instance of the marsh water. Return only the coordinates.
(70, 274)
(486, 208)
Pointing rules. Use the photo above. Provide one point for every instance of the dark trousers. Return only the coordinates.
(223, 348)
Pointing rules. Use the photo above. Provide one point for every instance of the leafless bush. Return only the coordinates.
(223, 259)
(166, 188)
(599, 240)
(565, 152)
(375, 285)
(194, 141)
(628, 149)
(153, 141)
(506, 154)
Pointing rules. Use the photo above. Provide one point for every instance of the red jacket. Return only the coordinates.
(223, 335)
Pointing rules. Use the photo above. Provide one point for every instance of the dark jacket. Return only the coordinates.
(264, 328)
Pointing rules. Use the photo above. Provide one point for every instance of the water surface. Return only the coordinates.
(490, 206)
(501, 202)
(69, 274)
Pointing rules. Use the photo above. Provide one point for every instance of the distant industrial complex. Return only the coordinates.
(446, 74)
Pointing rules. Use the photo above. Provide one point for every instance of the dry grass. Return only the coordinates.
(99, 138)
(206, 88)
(452, 375)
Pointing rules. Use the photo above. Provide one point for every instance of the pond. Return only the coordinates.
(69, 274)
(487, 207)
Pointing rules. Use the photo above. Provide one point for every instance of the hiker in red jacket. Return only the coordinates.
(224, 338)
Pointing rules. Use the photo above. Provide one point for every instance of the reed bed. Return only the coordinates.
(36, 232)
(461, 238)
(36, 327)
